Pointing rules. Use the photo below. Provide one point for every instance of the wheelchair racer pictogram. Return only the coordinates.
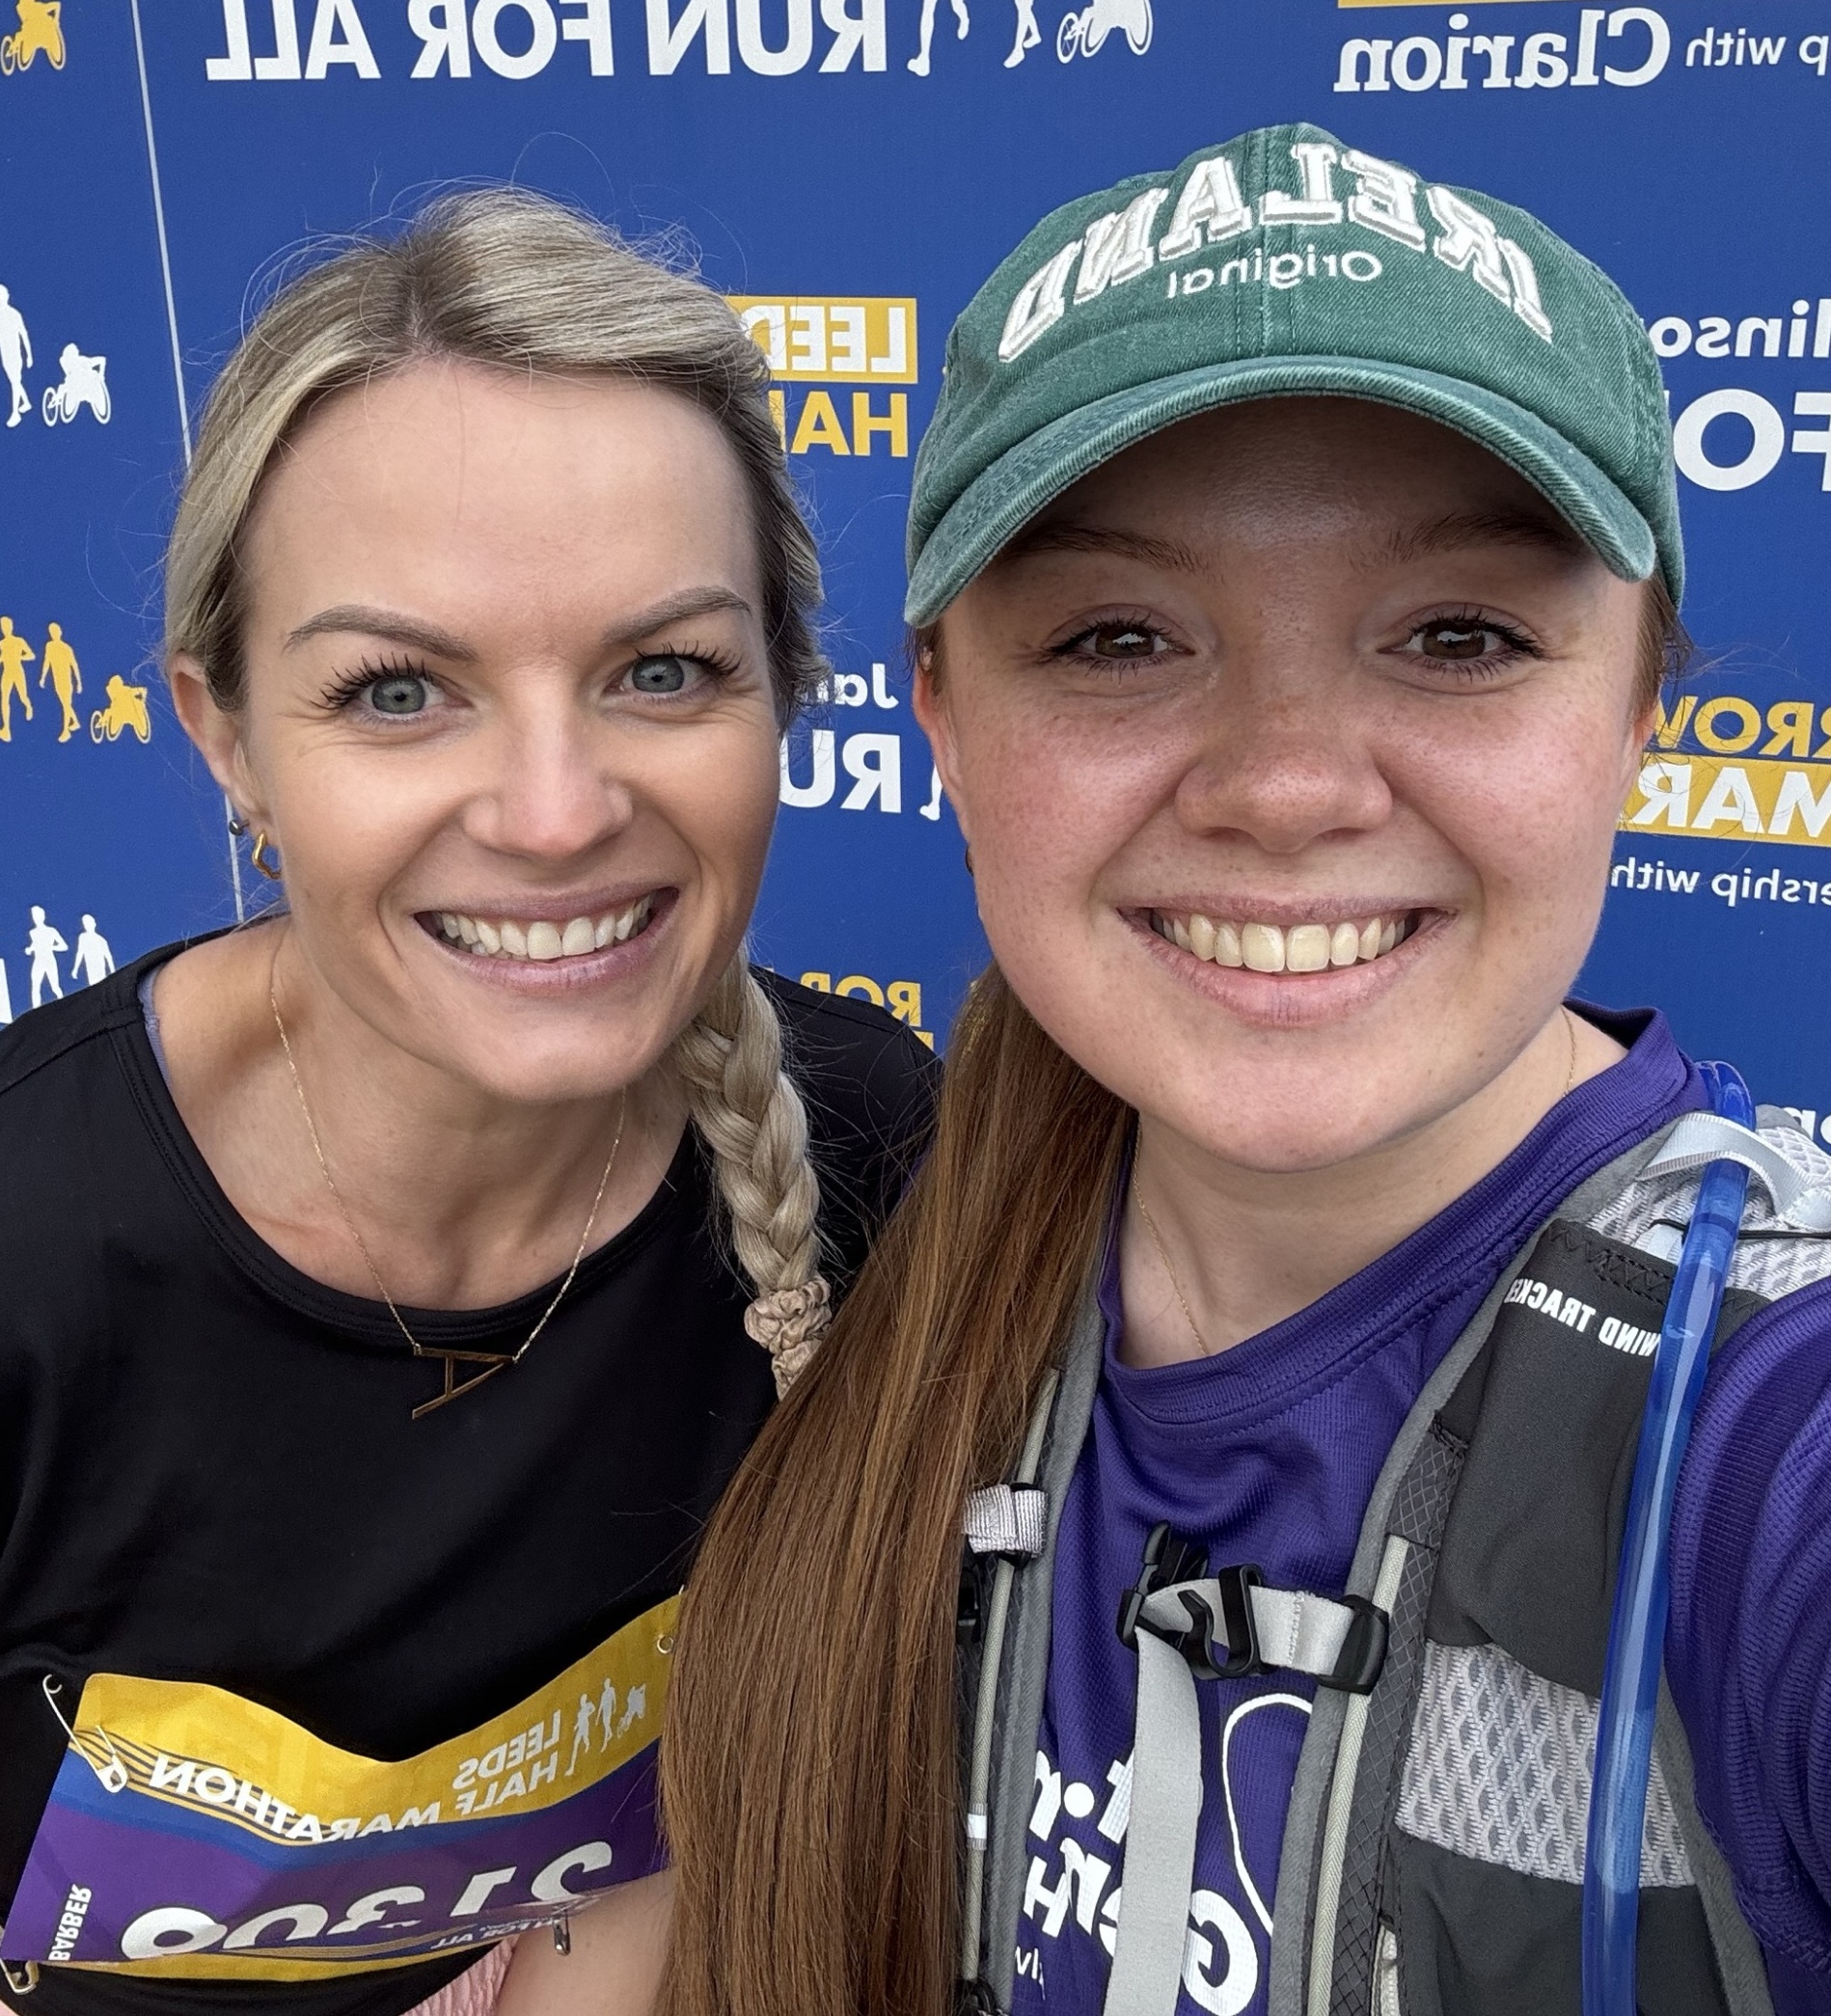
(127, 708)
(40, 31)
(1084, 33)
(84, 383)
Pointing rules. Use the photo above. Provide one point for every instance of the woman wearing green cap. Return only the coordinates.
(1294, 559)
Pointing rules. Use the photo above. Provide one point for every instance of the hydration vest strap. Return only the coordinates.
(1009, 1521)
(1700, 1139)
(1186, 1626)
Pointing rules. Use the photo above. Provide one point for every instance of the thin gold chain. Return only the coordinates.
(491, 1361)
(1570, 1030)
(1156, 1240)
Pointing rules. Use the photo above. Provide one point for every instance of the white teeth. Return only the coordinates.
(1306, 948)
(541, 939)
(1264, 947)
(1272, 948)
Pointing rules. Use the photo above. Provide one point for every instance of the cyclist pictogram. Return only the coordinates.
(39, 32)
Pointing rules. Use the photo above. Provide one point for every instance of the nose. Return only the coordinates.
(554, 790)
(1285, 759)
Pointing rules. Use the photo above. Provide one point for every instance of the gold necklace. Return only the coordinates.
(1570, 1030)
(492, 1362)
(1156, 1240)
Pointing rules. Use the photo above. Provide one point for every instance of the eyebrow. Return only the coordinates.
(364, 620)
(1061, 535)
(1456, 530)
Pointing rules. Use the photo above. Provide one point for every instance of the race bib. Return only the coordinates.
(191, 1833)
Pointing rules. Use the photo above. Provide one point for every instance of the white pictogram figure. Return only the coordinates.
(43, 944)
(932, 809)
(581, 1732)
(635, 1707)
(606, 1708)
(963, 22)
(15, 356)
(95, 960)
(85, 384)
(1083, 33)
(1028, 34)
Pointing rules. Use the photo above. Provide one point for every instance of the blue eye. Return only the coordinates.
(401, 693)
(666, 672)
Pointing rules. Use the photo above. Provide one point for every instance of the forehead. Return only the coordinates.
(1370, 482)
(445, 472)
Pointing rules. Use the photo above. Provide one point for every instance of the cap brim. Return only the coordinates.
(1006, 496)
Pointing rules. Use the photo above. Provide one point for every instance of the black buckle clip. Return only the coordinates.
(1363, 1652)
(1169, 1559)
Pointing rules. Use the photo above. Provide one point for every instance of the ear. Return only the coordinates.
(929, 701)
(216, 732)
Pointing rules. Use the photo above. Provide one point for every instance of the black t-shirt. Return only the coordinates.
(209, 1472)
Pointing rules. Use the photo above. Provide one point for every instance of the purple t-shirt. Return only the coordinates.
(1268, 1453)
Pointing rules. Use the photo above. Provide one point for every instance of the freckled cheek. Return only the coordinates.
(1048, 817)
(1534, 819)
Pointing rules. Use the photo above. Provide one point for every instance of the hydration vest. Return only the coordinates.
(1435, 1841)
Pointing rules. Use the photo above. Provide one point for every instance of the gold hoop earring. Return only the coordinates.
(256, 857)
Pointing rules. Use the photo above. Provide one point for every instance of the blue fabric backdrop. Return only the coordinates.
(850, 168)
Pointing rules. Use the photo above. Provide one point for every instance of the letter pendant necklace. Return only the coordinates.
(492, 1362)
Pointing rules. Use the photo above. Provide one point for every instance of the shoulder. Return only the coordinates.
(861, 1073)
(65, 1036)
(869, 1086)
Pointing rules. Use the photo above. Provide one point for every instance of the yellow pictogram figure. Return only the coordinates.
(15, 654)
(59, 668)
(127, 708)
(41, 31)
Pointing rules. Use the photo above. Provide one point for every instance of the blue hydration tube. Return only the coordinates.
(1643, 1591)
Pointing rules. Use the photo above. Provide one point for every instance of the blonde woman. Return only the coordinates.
(1294, 554)
(390, 1286)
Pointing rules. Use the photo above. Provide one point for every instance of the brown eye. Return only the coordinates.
(1455, 641)
(1122, 640)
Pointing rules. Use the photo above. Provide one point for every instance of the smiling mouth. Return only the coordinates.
(540, 939)
(1286, 948)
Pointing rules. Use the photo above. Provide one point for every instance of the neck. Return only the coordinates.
(1242, 1249)
(463, 1199)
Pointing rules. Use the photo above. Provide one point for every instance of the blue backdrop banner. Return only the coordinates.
(848, 171)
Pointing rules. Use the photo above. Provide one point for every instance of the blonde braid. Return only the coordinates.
(747, 1109)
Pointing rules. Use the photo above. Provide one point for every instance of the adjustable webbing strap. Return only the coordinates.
(1160, 1837)
(1700, 1138)
(1007, 1519)
(1207, 1626)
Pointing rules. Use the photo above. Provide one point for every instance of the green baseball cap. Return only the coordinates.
(1286, 263)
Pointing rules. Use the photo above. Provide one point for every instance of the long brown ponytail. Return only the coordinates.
(809, 1771)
